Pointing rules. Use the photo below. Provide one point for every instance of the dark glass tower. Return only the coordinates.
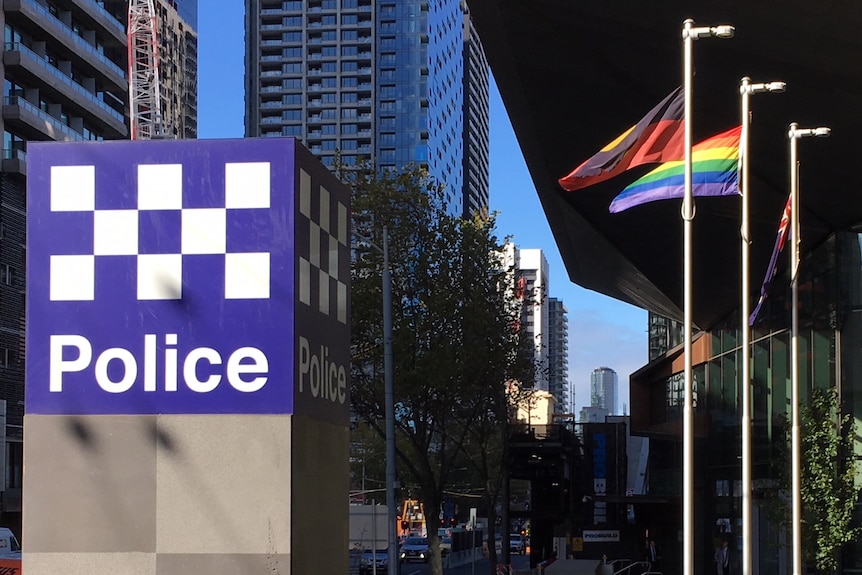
(396, 81)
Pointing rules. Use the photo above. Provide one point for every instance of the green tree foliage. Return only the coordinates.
(828, 481)
(454, 331)
(829, 470)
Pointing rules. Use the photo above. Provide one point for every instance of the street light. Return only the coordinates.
(389, 400)
(746, 88)
(793, 134)
(689, 34)
(389, 403)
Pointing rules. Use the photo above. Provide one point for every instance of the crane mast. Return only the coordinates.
(145, 108)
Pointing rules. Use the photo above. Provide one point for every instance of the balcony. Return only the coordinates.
(104, 19)
(14, 161)
(18, 55)
(36, 122)
(56, 29)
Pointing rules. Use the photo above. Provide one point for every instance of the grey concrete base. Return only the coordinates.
(148, 563)
(179, 564)
(86, 563)
(180, 494)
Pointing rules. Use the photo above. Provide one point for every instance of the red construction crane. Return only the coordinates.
(145, 107)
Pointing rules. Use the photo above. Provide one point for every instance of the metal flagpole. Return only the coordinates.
(746, 88)
(689, 34)
(794, 134)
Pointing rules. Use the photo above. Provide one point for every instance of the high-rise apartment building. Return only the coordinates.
(65, 65)
(604, 389)
(664, 334)
(395, 81)
(532, 274)
(558, 356)
(178, 66)
(64, 72)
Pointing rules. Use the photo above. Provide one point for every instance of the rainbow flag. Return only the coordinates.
(714, 172)
(658, 137)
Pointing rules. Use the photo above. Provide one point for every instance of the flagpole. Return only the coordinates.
(793, 134)
(746, 88)
(689, 34)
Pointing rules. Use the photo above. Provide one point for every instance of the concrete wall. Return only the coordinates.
(175, 494)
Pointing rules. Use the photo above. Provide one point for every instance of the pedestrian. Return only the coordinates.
(722, 559)
(653, 556)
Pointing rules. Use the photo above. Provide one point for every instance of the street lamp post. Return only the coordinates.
(389, 404)
(389, 400)
(793, 134)
(689, 34)
(746, 88)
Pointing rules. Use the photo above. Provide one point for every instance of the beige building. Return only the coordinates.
(537, 408)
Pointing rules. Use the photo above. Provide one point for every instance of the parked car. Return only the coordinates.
(517, 543)
(369, 558)
(414, 549)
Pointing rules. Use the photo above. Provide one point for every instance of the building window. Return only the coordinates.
(7, 274)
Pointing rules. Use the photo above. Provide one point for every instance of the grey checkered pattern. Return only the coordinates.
(324, 270)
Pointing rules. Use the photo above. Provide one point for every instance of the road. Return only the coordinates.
(519, 562)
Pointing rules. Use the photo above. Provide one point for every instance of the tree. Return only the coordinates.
(828, 480)
(453, 335)
(829, 492)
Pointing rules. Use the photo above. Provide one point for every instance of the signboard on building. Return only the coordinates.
(186, 277)
(601, 535)
(605, 446)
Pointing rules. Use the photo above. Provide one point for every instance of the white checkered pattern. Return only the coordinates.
(326, 265)
(204, 231)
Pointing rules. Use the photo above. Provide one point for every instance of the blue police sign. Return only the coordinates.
(164, 277)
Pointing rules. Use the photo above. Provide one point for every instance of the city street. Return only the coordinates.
(521, 563)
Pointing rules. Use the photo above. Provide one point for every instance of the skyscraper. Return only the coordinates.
(532, 274)
(558, 355)
(604, 389)
(64, 79)
(664, 334)
(395, 81)
(178, 66)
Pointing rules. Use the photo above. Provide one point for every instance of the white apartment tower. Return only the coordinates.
(532, 277)
(604, 389)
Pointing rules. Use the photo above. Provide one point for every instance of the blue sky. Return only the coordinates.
(602, 331)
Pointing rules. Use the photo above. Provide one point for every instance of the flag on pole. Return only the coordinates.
(783, 226)
(658, 137)
(714, 172)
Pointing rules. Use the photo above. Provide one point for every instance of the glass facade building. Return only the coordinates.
(398, 82)
(830, 357)
(604, 389)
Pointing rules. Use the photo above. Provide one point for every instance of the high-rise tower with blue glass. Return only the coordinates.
(396, 81)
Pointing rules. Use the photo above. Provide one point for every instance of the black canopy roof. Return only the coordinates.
(574, 74)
